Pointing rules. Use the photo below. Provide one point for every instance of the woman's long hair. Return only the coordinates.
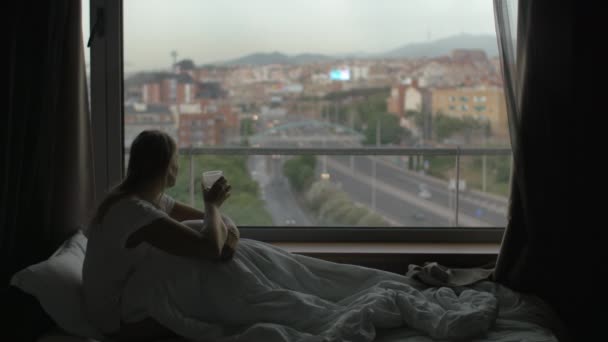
(149, 161)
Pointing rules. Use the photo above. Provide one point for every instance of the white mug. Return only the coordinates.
(210, 177)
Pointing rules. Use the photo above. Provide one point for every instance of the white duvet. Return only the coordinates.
(268, 294)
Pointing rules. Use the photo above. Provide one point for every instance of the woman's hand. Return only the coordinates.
(232, 239)
(218, 193)
(229, 248)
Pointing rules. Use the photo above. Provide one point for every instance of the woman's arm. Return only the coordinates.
(214, 228)
(232, 239)
(178, 239)
(184, 212)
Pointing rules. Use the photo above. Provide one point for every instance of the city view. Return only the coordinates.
(444, 93)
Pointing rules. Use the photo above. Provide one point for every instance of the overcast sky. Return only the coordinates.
(215, 30)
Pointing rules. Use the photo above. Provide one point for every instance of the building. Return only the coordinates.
(210, 90)
(481, 103)
(141, 116)
(405, 97)
(166, 88)
(197, 130)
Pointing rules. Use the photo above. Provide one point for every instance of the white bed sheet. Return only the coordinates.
(520, 318)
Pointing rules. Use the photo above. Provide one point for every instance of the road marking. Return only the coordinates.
(438, 210)
(498, 209)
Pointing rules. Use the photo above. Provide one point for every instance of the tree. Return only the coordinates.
(247, 128)
(390, 130)
(372, 219)
(447, 126)
(300, 171)
(318, 194)
(328, 209)
(354, 215)
(339, 214)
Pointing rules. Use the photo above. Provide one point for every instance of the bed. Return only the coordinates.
(520, 318)
(56, 284)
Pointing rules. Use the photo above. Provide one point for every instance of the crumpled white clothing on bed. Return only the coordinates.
(268, 294)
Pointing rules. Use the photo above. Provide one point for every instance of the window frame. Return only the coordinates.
(107, 103)
(107, 113)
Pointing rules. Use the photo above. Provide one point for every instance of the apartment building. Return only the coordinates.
(482, 103)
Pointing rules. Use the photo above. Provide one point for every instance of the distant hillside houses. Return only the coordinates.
(463, 83)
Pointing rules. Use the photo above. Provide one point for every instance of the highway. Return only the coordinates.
(397, 190)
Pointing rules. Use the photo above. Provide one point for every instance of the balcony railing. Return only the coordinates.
(376, 154)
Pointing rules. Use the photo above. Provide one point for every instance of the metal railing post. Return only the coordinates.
(191, 159)
(457, 184)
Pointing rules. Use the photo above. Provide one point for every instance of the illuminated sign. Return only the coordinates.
(339, 75)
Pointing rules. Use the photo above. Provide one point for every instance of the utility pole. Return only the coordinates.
(174, 55)
(483, 165)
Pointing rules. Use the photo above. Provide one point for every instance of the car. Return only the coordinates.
(290, 222)
(462, 185)
(424, 192)
(418, 217)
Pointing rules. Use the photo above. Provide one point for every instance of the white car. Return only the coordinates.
(424, 192)
(462, 185)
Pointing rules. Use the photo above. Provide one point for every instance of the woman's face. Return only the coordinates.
(172, 174)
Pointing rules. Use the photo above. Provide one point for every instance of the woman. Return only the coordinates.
(146, 275)
(136, 212)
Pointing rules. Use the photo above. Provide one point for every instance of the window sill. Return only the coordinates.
(388, 248)
(396, 257)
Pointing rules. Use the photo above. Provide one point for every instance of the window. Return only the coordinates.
(311, 139)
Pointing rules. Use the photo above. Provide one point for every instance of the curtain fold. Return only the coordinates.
(46, 150)
(547, 249)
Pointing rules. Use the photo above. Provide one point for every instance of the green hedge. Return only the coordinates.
(333, 206)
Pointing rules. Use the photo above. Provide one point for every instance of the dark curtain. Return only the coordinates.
(46, 171)
(548, 249)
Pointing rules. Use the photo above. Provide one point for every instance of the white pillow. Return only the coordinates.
(57, 284)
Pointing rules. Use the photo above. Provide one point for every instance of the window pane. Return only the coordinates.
(269, 73)
(85, 5)
(485, 187)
